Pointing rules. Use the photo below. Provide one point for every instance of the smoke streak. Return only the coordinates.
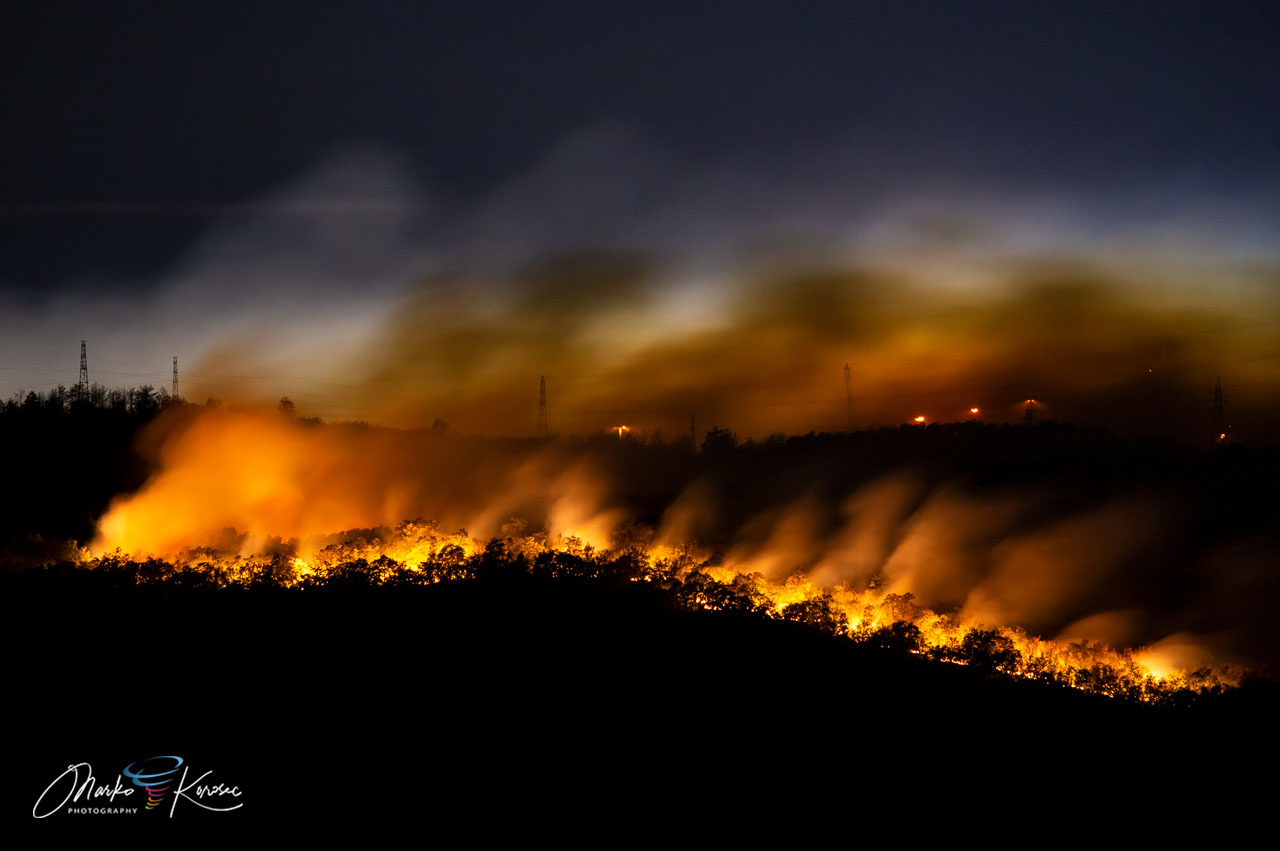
(1048, 550)
(645, 288)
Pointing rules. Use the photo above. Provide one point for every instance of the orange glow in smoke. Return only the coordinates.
(249, 481)
(234, 491)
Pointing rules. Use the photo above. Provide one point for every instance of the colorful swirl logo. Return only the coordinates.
(154, 775)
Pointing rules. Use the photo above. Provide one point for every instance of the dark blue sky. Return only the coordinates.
(131, 126)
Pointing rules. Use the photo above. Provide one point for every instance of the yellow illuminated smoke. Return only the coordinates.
(248, 481)
(240, 492)
(760, 348)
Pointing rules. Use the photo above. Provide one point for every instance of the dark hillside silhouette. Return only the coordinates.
(514, 703)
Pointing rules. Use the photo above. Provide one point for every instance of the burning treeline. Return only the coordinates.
(1032, 550)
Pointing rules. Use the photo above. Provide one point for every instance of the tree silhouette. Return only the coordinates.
(719, 440)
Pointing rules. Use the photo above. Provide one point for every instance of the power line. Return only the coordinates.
(82, 391)
(542, 408)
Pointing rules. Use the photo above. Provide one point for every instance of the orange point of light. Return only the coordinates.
(919, 419)
(973, 410)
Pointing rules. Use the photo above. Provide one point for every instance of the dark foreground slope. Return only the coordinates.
(579, 710)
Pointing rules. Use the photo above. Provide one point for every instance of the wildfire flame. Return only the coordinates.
(421, 553)
(237, 494)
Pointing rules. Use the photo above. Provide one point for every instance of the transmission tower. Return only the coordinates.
(82, 389)
(175, 378)
(848, 393)
(542, 407)
(1219, 430)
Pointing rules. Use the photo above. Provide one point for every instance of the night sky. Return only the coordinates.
(402, 211)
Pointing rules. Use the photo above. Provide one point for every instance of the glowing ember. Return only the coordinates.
(421, 554)
(239, 497)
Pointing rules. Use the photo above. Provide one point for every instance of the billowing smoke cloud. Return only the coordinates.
(765, 353)
(647, 289)
(250, 480)
(269, 292)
